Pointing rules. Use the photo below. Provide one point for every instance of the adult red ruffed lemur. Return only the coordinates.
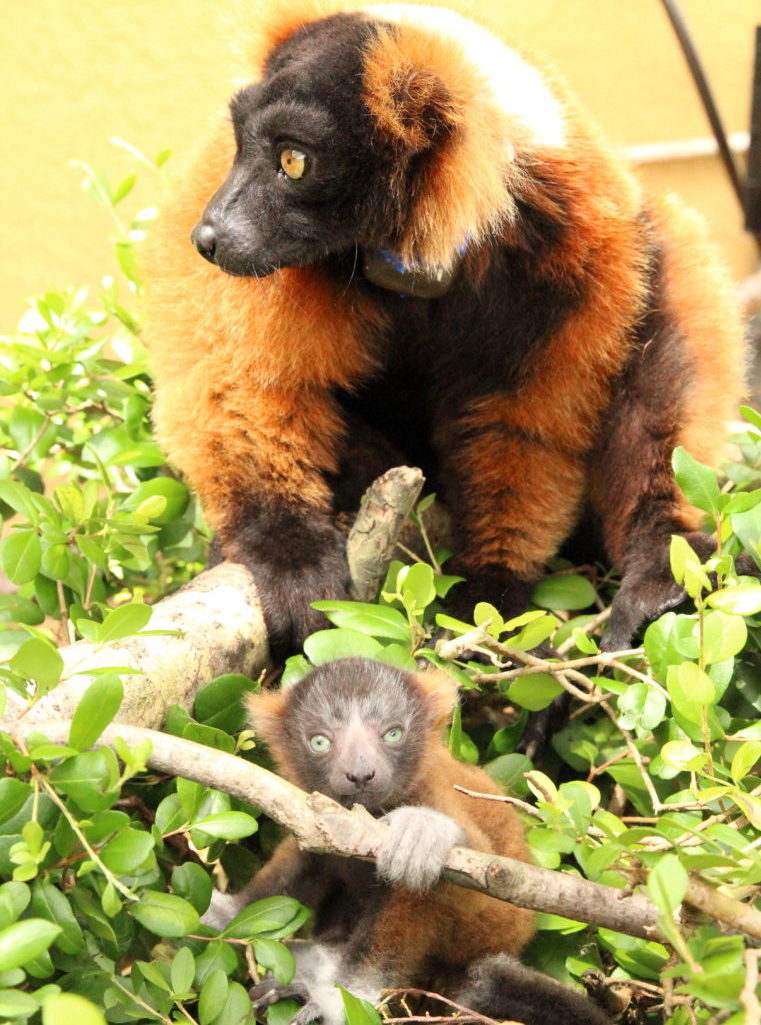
(415, 246)
(367, 733)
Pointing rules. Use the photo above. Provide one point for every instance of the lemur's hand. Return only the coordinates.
(418, 842)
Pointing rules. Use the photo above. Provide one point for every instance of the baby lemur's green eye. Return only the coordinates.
(394, 735)
(319, 743)
(294, 163)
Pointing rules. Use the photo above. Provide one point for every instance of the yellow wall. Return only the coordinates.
(152, 71)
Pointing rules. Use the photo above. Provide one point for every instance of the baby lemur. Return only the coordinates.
(367, 733)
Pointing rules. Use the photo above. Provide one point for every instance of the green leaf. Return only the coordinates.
(124, 622)
(742, 600)
(219, 703)
(16, 1004)
(210, 736)
(39, 660)
(326, 645)
(21, 555)
(19, 498)
(507, 770)
(237, 1009)
(296, 668)
(691, 689)
(55, 561)
(50, 903)
(92, 551)
(170, 816)
(686, 567)
(183, 970)
(267, 916)
(96, 709)
(213, 997)
(165, 914)
(698, 482)
(71, 503)
(15, 609)
(534, 691)
(641, 707)
(284, 1011)
(14, 900)
(228, 825)
(533, 633)
(417, 585)
(89, 779)
(13, 796)
(374, 620)
(23, 941)
(174, 493)
(191, 882)
(744, 759)
(128, 850)
(487, 616)
(747, 526)
(276, 958)
(680, 754)
(460, 744)
(750, 806)
(358, 1011)
(723, 636)
(71, 1009)
(667, 884)
(564, 592)
(110, 900)
(215, 954)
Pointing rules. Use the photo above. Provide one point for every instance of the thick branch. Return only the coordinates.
(385, 505)
(321, 825)
(215, 622)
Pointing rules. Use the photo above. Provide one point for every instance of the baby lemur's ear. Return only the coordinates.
(440, 691)
(267, 713)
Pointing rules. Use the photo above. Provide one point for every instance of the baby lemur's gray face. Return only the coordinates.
(355, 730)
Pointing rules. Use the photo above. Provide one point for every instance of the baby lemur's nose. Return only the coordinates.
(360, 778)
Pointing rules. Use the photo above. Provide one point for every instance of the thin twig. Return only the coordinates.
(529, 809)
(392, 994)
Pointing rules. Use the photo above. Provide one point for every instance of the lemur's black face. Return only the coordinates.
(307, 179)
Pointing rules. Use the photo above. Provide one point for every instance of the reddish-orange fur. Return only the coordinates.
(246, 370)
(242, 366)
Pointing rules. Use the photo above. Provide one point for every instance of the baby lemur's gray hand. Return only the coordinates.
(418, 842)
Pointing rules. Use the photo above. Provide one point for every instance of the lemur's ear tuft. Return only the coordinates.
(408, 99)
(440, 691)
(267, 713)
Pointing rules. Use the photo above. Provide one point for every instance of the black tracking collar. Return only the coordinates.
(383, 268)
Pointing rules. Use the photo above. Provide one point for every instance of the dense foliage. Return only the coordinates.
(106, 866)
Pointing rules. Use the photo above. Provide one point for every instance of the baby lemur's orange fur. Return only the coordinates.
(453, 926)
(367, 733)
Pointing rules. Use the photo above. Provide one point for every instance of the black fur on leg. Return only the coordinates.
(502, 988)
(296, 556)
(648, 588)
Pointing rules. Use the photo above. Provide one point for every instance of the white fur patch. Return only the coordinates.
(518, 88)
(319, 967)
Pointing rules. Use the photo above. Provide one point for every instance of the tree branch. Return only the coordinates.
(385, 506)
(325, 827)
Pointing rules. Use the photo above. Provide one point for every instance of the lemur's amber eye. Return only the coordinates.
(319, 743)
(394, 735)
(294, 163)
